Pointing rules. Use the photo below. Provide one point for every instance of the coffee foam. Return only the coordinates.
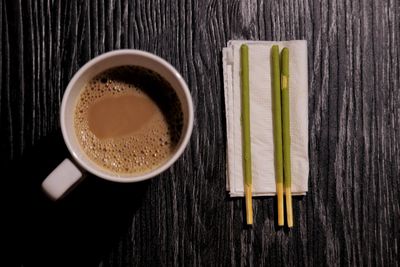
(140, 151)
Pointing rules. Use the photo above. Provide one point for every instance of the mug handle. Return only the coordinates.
(61, 179)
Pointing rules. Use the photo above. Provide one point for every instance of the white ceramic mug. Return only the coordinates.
(67, 174)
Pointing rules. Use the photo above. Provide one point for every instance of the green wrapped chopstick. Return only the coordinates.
(286, 134)
(244, 56)
(277, 125)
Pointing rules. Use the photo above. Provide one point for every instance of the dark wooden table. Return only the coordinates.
(184, 217)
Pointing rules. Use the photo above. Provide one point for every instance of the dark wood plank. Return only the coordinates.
(184, 216)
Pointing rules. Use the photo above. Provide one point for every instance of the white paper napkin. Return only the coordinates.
(261, 128)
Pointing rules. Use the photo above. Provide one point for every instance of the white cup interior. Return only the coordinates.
(107, 61)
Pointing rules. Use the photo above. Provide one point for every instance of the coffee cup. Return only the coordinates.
(71, 170)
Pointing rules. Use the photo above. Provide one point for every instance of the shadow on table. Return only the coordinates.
(77, 230)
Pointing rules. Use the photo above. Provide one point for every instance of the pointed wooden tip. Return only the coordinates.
(249, 204)
(279, 191)
(289, 208)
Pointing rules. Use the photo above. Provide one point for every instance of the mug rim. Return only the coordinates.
(165, 165)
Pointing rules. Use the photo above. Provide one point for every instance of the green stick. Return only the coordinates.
(286, 134)
(277, 123)
(244, 49)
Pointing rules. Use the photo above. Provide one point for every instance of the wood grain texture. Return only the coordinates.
(350, 215)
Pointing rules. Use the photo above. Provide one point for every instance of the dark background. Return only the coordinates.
(351, 213)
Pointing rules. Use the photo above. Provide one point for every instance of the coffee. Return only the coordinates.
(128, 120)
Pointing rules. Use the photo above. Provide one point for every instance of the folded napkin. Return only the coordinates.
(261, 127)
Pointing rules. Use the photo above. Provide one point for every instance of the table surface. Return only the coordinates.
(351, 213)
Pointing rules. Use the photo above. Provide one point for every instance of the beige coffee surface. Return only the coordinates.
(117, 116)
(128, 120)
